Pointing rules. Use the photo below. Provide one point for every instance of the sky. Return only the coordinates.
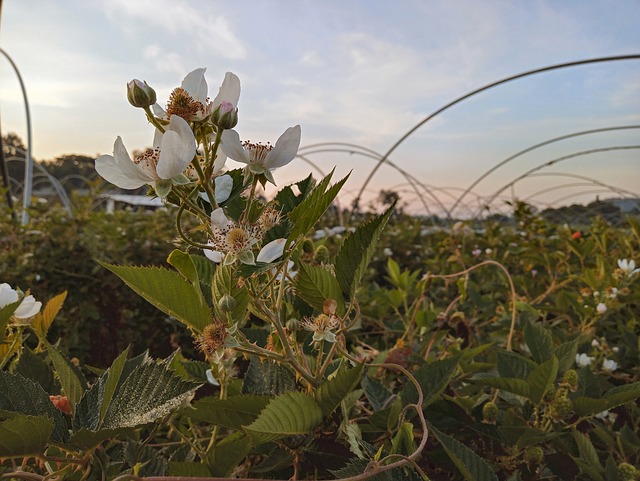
(359, 72)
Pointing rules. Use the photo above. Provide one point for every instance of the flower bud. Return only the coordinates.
(140, 94)
(307, 246)
(626, 472)
(227, 303)
(570, 379)
(225, 116)
(293, 325)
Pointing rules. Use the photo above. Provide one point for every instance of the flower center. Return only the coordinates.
(237, 239)
(148, 160)
(257, 152)
(183, 105)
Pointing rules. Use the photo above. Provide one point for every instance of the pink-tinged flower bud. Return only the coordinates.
(225, 116)
(140, 94)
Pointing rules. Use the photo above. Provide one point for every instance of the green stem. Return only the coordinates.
(152, 118)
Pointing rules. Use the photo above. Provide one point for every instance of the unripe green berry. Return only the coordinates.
(571, 379)
(561, 393)
(534, 455)
(560, 408)
(307, 246)
(293, 325)
(626, 472)
(322, 255)
(227, 303)
(490, 413)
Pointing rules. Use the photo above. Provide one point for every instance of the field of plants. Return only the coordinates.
(234, 337)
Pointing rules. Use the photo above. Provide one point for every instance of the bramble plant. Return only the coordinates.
(482, 355)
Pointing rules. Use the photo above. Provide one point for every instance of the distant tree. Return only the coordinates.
(13, 145)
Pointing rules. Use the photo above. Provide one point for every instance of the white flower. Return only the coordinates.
(476, 252)
(609, 365)
(583, 360)
(595, 343)
(628, 267)
(261, 158)
(231, 241)
(613, 292)
(28, 308)
(322, 327)
(171, 154)
(488, 251)
(601, 308)
(387, 252)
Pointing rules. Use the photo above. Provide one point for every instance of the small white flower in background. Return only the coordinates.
(319, 234)
(612, 292)
(28, 308)
(261, 158)
(615, 349)
(476, 252)
(534, 272)
(488, 251)
(387, 252)
(171, 154)
(628, 267)
(601, 308)
(583, 360)
(609, 365)
(596, 294)
(606, 415)
(595, 343)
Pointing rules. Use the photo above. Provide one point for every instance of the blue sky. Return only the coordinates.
(361, 71)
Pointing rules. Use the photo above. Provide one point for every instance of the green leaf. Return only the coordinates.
(356, 251)
(232, 413)
(316, 284)
(566, 354)
(513, 385)
(539, 341)
(186, 469)
(23, 396)
(541, 379)
(289, 414)
(403, 442)
(168, 291)
(72, 384)
(305, 215)
(511, 364)
(33, 367)
(331, 393)
(376, 393)
(588, 453)
(150, 392)
(585, 406)
(87, 439)
(433, 379)
(268, 378)
(5, 316)
(112, 381)
(472, 466)
(228, 453)
(184, 264)
(206, 269)
(24, 435)
(226, 283)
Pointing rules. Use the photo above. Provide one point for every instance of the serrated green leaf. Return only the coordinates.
(71, 383)
(268, 378)
(184, 469)
(309, 211)
(289, 414)
(228, 453)
(539, 341)
(112, 381)
(356, 251)
(206, 269)
(509, 384)
(184, 264)
(566, 354)
(376, 393)
(32, 366)
(168, 291)
(586, 406)
(331, 393)
(5, 316)
(316, 284)
(511, 364)
(23, 396)
(541, 379)
(433, 379)
(472, 466)
(232, 413)
(150, 392)
(587, 451)
(87, 439)
(403, 442)
(226, 283)
(24, 435)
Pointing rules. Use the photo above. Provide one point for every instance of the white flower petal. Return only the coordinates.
(212, 380)
(224, 186)
(195, 84)
(177, 148)
(285, 149)
(229, 90)
(218, 164)
(29, 307)
(7, 295)
(271, 251)
(120, 170)
(218, 219)
(159, 111)
(232, 146)
(213, 256)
